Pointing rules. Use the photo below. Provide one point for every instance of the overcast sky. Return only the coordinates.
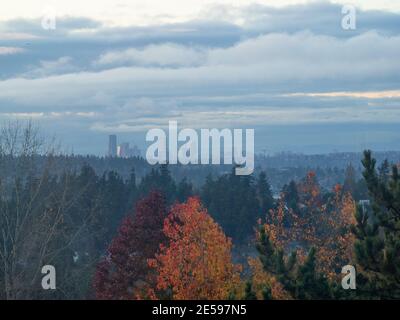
(285, 68)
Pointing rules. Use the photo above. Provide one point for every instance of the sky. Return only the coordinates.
(285, 68)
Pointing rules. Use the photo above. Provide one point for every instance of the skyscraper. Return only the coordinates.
(125, 151)
(112, 146)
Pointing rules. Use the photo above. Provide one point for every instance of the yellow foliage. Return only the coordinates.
(326, 230)
(260, 279)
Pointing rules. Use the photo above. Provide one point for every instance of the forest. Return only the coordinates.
(152, 233)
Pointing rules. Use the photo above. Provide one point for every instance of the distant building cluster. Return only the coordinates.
(124, 150)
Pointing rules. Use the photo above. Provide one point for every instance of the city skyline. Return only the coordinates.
(122, 150)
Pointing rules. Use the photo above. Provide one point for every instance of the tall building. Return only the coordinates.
(112, 146)
(125, 151)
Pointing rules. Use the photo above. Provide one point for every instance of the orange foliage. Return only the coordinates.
(196, 264)
(340, 241)
(276, 230)
(325, 226)
(310, 190)
(260, 279)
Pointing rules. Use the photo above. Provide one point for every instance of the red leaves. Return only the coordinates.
(195, 262)
(124, 273)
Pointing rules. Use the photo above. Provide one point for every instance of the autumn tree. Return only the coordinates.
(298, 277)
(265, 284)
(294, 223)
(338, 241)
(316, 221)
(124, 272)
(196, 261)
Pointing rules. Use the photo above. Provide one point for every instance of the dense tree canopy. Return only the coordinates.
(124, 273)
(196, 261)
(236, 202)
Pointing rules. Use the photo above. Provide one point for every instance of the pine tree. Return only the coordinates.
(167, 183)
(272, 259)
(232, 201)
(302, 281)
(159, 179)
(267, 293)
(384, 171)
(350, 184)
(249, 294)
(309, 284)
(132, 188)
(264, 193)
(291, 195)
(377, 248)
(184, 190)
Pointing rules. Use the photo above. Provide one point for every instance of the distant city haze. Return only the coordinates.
(123, 150)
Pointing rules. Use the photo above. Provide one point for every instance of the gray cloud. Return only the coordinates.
(51, 67)
(273, 62)
(90, 78)
(320, 17)
(162, 55)
(10, 50)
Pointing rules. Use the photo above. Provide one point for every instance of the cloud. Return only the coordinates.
(33, 27)
(391, 94)
(320, 17)
(51, 67)
(300, 62)
(10, 50)
(249, 66)
(164, 55)
(48, 115)
(128, 12)
(7, 36)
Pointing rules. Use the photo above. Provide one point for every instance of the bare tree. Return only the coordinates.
(33, 228)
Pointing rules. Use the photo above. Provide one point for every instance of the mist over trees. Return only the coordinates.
(184, 233)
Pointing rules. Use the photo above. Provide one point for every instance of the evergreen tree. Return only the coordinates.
(131, 186)
(377, 248)
(384, 171)
(291, 195)
(310, 284)
(232, 201)
(350, 184)
(184, 190)
(159, 179)
(302, 281)
(264, 193)
(267, 293)
(167, 183)
(249, 294)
